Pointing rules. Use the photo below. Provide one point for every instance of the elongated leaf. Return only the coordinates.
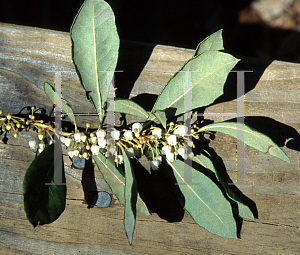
(117, 184)
(212, 42)
(95, 44)
(252, 137)
(130, 198)
(161, 116)
(203, 200)
(244, 210)
(44, 203)
(53, 96)
(208, 73)
(130, 107)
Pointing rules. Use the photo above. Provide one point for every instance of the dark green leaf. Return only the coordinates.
(130, 198)
(252, 137)
(212, 42)
(208, 73)
(117, 185)
(95, 44)
(203, 200)
(53, 96)
(243, 210)
(43, 203)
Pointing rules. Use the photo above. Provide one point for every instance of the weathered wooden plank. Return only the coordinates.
(27, 55)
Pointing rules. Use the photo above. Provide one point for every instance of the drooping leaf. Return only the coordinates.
(203, 200)
(251, 137)
(53, 96)
(212, 42)
(44, 203)
(130, 198)
(161, 116)
(243, 210)
(95, 44)
(117, 185)
(208, 73)
(130, 107)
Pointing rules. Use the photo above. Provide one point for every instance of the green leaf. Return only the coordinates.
(130, 107)
(95, 44)
(252, 137)
(43, 203)
(130, 198)
(203, 200)
(53, 96)
(208, 73)
(243, 210)
(212, 42)
(118, 186)
(161, 117)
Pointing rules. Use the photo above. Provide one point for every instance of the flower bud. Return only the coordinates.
(41, 136)
(8, 116)
(1, 112)
(88, 125)
(8, 127)
(16, 135)
(130, 152)
(18, 125)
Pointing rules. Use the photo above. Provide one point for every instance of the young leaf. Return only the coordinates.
(53, 96)
(130, 198)
(118, 185)
(95, 44)
(212, 42)
(252, 137)
(203, 200)
(243, 210)
(130, 107)
(44, 203)
(208, 73)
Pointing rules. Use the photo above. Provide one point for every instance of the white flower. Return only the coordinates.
(42, 146)
(115, 134)
(32, 144)
(71, 154)
(156, 133)
(95, 149)
(159, 158)
(137, 128)
(102, 143)
(75, 153)
(77, 137)
(62, 139)
(191, 155)
(41, 136)
(50, 141)
(68, 141)
(40, 150)
(128, 135)
(83, 138)
(181, 131)
(182, 152)
(172, 139)
(154, 164)
(101, 133)
(166, 149)
(120, 159)
(170, 156)
(130, 152)
(93, 140)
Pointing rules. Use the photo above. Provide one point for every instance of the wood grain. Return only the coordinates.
(28, 57)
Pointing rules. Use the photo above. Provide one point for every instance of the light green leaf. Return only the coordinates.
(95, 44)
(130, 198)
(212, 42)
(130, 107)
(208, 73)
(252, 137)
(54, 97)
(43, 203)
(118, 186)
(203, 200)
(161, 116)
(243, 210)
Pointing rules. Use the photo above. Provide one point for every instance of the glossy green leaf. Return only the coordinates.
(243, 210)
(208, 73)
(252, 137)
(130, 198)
(43, 203)
(117, 184)
(212, 42)
(95, 44)
(203, 200)
(53, 96)
(130, 107)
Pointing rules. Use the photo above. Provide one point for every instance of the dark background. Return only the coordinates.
(172, 22)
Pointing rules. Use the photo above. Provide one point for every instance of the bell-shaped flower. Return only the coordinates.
(183, 152)
(156, 132)
(128, 135)
(181, 131)
(170, 156)
(77, 137)
(172, 140)
(83, 138)
(130, 152)
(71, 154)
(102, 143)
(154, 164)
(137, 128)
(120, 159)
(101, 133)
(93, 140)
(32, 144)
(115, 134)
(166, 149)
(68, 141)
(95, 149)
(76, 153)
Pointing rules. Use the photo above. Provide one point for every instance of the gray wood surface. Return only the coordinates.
(28, 57)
